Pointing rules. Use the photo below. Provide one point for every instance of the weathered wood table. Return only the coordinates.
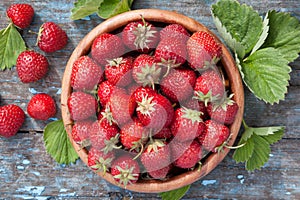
(28, 172)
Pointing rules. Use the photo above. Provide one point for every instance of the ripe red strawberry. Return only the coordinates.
(100, 161)
(105, 47)
(203, 50)
(160, 173)
(140, 35)
(104, 136)
(175, 31)
(171, 53)
(209, 86)
(41, 106)
(51, 37)
(178, 85)
(156, 156)
(164, 133)
(146, 70)
(215, 134)
(12, 118)
(125, 170)
(121, 106)
(86, 74)
(187, 124)
(141, 91)
(21, 15)
(186, 154)
(194, 104)
(82, 106)
(81, 133)
(155, 111)
(118, 71)
(133, 135)
(223, 112)
(105, 90)
(31, 66)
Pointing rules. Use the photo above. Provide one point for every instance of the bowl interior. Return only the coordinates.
(232, 74)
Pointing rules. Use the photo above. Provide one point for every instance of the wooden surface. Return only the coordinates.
(28, 172)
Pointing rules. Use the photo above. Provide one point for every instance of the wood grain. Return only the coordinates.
(27, 172)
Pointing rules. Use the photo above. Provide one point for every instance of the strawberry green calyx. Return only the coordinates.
(169, 64)
(146, 106)
(102, 164)
(143, 34)
(107, 114)
(116, 62)
(111, 144)
(224, 103)
(193, 115)
(155, 145)
(126, 176)
(206, 98)
(149, 75)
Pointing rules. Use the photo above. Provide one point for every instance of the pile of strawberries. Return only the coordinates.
(31, 66)
(149, 101)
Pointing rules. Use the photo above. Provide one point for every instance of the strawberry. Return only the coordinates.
(209, 86)
(82, 106)
(156, 156)
(187, 124)
(122, 106)
(146, 70)
(203, 50)
(105, 90)
(12, 118)
(215, 134)
(140, 35)
(160, 173)
(164, 133)
(224, 111)
(194, 104)
(86, 74)
(21, 15)
(155, 111)
(118, 72)
(170, 53)
(100, 161)
(179, 84)
(41, 106)
(31, 66)
(81, 133)
(175, 31)
(107, 46)
(186, 154)
(133, 135)
(104, 136)
(51, 37)
(141, 91)
(125, 170)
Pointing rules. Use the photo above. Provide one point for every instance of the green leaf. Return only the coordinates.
(275, 137)
(264, 131)
(83, 8)
(266, 73)
(58, 144)
(242, 22)
(243, 153)
(110, 8)
(260, 153)
(175, 194)
(11, 45)
(263, 35)
(284, 34)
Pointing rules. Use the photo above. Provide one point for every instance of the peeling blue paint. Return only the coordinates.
(36, 173)
(33, 91)
(32, 190)
(241, 178)
(58, 91)
(72, 194)
(26, 162)
(20, 167)
(208, 182)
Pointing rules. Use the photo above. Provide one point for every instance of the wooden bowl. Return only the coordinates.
(232, 74)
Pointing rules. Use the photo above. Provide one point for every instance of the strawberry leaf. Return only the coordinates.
(255, 152)
(266, 73)
(284, 34)
(83, 8)
(175, 194)
(111, 8)
(242, 22)
(11, 45)
(58, 144)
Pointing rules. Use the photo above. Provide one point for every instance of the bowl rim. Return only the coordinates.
(156, 15)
